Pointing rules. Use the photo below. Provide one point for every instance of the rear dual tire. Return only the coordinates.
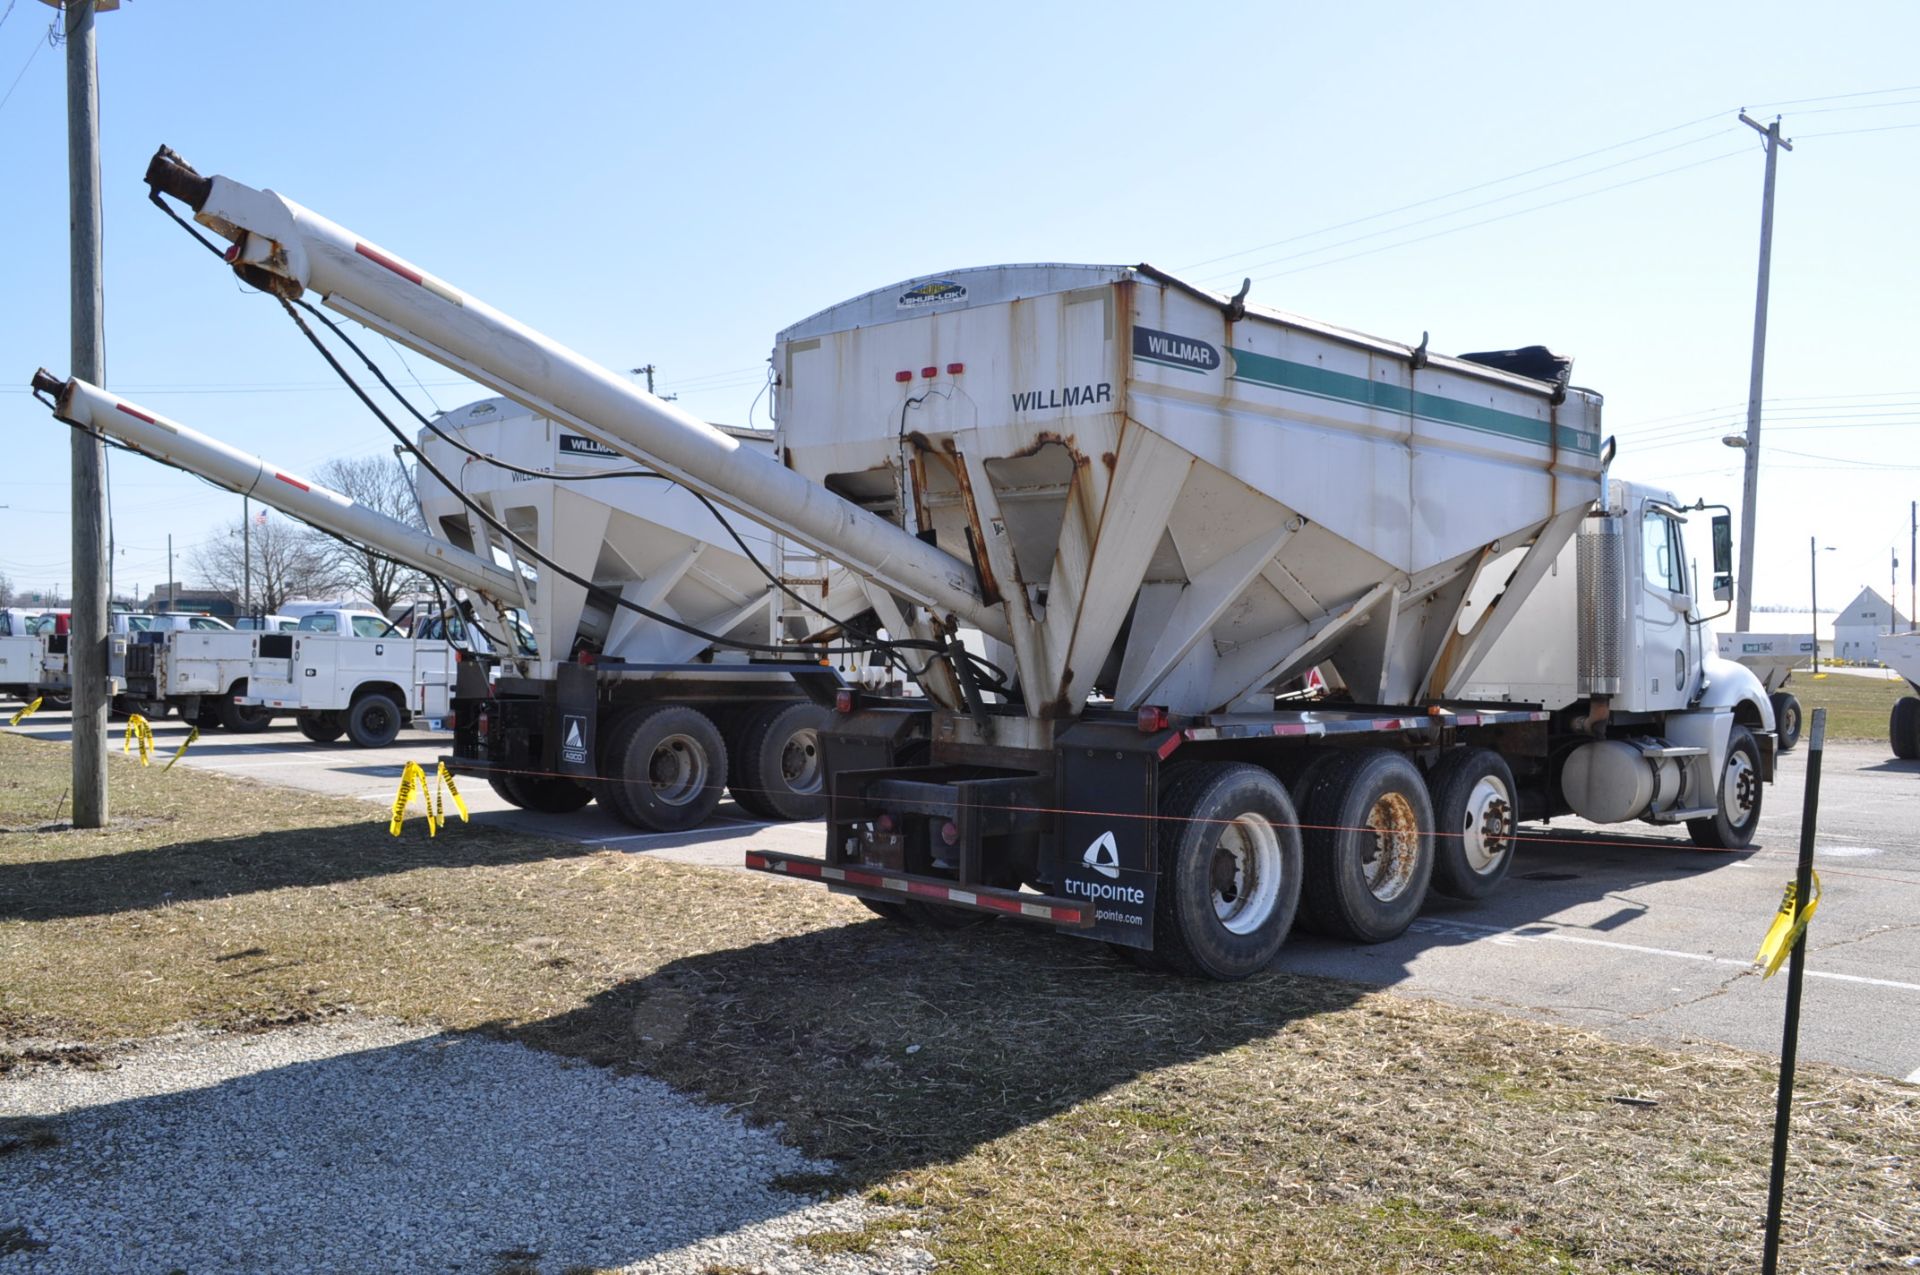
(1903, 728)
(1786, 720)
(663, 767)
(777, 767)
(1368, 832)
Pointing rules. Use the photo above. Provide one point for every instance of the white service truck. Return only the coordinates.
(702, 719)
(352, 673)
(1901, 653)
(1158, 506)
(25, 637)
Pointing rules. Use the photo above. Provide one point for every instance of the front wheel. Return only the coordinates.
(241, 719)
(1786, 719)
(321, 728)
(374, 720)
(1229, 854)
(543, 794)
(1369, 847)
(1736, 798)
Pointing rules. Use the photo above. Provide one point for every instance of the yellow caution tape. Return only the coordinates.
(137, 729)
(459, 803)
(413, 783)
(1788, 925)
(24, 713)
(193, 733)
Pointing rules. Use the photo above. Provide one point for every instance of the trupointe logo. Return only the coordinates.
(1103, 856)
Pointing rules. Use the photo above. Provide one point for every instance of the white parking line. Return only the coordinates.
(722, 822)
(1914, 1079)
(1522, 935)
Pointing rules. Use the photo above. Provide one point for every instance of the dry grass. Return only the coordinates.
(1046, 1106)
(1857, 707)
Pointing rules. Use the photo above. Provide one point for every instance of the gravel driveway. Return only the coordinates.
(370, 1146)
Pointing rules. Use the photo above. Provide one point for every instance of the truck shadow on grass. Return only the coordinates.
(229, 867)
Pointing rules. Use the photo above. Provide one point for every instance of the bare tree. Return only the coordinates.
(6, 590)
(285, 564)
(382, 486)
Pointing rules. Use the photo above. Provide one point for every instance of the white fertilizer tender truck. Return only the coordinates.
(1159, 507)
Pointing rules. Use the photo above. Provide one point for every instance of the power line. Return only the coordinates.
(1848, 132)
(37, 46)
(1485, 203)
(1554, 203)
(1838, 97)
(1465, 190)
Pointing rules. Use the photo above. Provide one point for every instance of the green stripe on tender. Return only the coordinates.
(1305, 378)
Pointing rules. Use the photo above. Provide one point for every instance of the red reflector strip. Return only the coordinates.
(382, 259)
(1166, 750)
(138, 416)
(1467, 719)
(922, 889)
(1290, 728)
(293, 482)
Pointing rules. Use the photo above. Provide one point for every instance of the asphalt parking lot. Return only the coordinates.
(1630, 931)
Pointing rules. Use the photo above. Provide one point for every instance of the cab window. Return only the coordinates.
(318, 624)
(203, 623)
(1661, 554)
(369, 626)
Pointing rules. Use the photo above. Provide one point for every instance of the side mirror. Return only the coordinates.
(1723, 557)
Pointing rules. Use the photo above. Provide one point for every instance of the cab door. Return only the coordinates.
(1669, 654)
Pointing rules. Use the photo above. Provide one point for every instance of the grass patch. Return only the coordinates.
(1063, 1111)
(1857, 707)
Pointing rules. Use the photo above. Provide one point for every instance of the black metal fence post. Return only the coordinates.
(1796, 976)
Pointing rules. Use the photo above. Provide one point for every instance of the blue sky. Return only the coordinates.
(673, 184)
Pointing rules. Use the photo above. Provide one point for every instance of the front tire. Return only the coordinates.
(1369, 847)
(1786, 719)
(1229, 856)
(1903, 728)
(543, 794)
(666, 767)
(778, 771)
(241, 719)
(1474, 813)
(1736, 798)
(374, 720)
(321, 728)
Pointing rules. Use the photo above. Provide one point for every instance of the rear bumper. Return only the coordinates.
(901, 887)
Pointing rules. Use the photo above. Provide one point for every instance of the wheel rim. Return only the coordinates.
(375, 721)
(1739, 789)
(800, 761)
(1792, 719)
(1388, 868)
(677, 771)
(1488, 835)
(1245, 873)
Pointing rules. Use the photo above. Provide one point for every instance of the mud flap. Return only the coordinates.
(576, 702)
(1105, 849)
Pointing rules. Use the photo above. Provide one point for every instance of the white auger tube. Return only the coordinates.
(286, 249)
(166, 440)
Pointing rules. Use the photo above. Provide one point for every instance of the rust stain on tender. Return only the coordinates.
(1109, 460)
(976, 531)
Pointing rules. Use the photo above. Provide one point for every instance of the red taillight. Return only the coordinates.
(843, 700)
(1151, 719)
(949, 832)
(589, 658)
(955, 369)
(929, 372)
(453, 720)
(903, 377)
(480, 724)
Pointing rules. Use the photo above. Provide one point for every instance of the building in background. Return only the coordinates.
(1857, 629)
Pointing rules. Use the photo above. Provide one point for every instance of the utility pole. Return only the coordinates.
(1913, 566)
(169, 573)
(1750, 490)
(648, 372)
(246, 556)
(87, 647)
